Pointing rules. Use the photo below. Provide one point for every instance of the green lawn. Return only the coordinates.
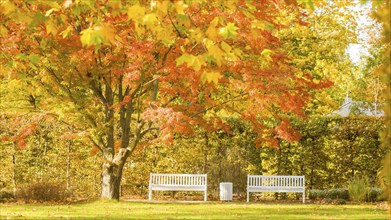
(181, 210)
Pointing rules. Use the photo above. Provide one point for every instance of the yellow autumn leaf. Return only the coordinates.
(150, 21)
(65, 33)
(3, 30)
(231, 4)
(161, 8)
(7, 7)
(217, 53)
(197, 62)
(210, 77)
(115, 4)
(258, 24)
(238, 52)
(180, 7)
(118, 38)
(63, 18)
(212, 31)
(90, 37)
(50, 11)
(51, 27)
(107, 33)
(197, 35)
(135, 12)
(140, 30)
(227, 48)
(266, 53)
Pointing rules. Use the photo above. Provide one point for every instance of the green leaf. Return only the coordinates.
(91, 37)
(37, 19)
(266, 52)
(182, 59)
(229, 31)
(307, 3)
(34, 58)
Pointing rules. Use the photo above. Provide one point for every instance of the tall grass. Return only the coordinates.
(358, 189)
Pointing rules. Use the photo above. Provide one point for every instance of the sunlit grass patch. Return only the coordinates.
(180, 210)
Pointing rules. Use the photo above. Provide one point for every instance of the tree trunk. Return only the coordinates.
(112, 175)
(43, 164)
(67, 174)
(206, 152)
(111, 182)
(14, 169)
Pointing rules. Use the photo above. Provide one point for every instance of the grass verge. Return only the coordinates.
(181, 210)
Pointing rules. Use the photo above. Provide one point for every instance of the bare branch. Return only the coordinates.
(221, 104)
(96, 144)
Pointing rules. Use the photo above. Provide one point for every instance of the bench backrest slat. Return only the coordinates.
(276, 181)
(178, 182)
(179, 179)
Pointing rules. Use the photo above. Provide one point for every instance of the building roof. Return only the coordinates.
(359, 108)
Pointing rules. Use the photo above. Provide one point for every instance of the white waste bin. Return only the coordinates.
(226, 191)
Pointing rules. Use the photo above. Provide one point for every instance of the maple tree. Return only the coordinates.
(127, 72)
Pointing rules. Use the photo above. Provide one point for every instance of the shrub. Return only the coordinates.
(6, 195)
(358, 189)
(339, 193)
(317, 194)
(43, 192)
(340, 201)
(375, 195)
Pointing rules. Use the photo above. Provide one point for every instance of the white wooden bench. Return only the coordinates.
(177, 182)
(259, 183)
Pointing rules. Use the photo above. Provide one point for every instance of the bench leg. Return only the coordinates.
(248, 196)
(205, 197)
(303, 197)
(149, 194)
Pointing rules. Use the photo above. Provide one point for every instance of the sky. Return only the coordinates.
(357, 50)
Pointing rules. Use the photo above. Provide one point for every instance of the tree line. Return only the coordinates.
(331, 152)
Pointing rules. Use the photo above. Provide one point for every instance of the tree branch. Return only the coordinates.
(223, 103)
(96, 144)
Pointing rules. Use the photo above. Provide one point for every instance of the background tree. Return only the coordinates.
(319, 48)
(383, 15)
